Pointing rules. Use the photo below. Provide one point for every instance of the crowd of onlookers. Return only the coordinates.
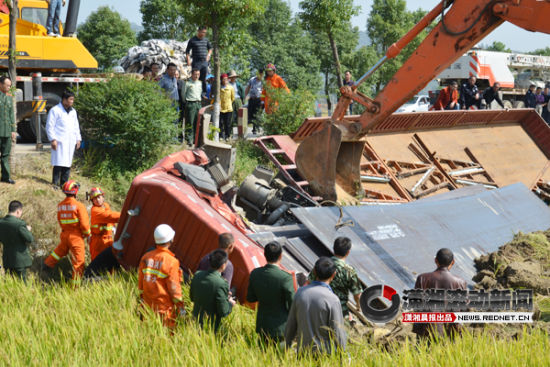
(189, 96)
(470, 97)
(315, 315)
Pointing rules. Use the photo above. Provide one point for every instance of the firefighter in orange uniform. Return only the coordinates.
(75, 226)
(160, 277)
(272, 81)
(103, 222)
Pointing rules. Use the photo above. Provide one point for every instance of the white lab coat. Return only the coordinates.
(64, 128)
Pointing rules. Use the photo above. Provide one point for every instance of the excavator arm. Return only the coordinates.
(332, 155)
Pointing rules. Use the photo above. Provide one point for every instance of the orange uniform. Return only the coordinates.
(446, 96)
(274, 81)
(160, 277)
(73, 219)
(103, 222)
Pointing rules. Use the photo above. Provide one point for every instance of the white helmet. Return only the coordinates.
(163, 234)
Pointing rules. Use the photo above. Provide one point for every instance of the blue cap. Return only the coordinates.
(209, 76)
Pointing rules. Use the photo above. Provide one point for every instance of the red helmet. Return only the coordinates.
(95, 192)
(71, 187)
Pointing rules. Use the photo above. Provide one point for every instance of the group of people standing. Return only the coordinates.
(62, 128)
(313, 314)
(189, 96)
(76, 228)
(538, 99)
(469, 96)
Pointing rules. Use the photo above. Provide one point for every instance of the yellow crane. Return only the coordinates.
(36, 51)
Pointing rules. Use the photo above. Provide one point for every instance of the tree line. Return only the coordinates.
(311, 49)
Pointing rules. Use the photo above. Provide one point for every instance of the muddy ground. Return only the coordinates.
(524, 262)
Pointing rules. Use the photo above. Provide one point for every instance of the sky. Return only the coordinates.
(513, 37)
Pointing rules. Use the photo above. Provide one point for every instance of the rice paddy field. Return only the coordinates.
(99, 323)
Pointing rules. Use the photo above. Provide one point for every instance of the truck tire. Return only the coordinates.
(25, 132)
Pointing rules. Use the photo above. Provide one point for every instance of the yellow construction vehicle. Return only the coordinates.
(36, 51)
(59, 60)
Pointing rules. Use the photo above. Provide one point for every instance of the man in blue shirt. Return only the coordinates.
(315, 318)
(530, 100)
(254, 92)
(54, 11)
(169, 83)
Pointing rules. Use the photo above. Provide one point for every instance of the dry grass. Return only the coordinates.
(34, 189)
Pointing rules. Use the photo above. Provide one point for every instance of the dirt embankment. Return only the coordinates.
(524, 262)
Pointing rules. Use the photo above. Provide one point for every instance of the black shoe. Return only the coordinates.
(9, 180)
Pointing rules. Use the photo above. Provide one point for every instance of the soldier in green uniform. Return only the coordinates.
(15, 235)
(346, 280)
(273, 289)
(210, 292)
(7, 128)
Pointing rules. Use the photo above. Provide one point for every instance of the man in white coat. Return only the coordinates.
(64, 134)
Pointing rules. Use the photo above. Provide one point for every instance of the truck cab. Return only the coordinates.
(36, 12)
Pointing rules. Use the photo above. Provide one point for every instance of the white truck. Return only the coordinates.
(515, 72)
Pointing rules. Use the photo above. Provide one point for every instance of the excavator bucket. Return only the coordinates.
(325, 161)
(316, 160)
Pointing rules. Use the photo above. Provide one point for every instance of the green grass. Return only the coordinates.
(98, 325)
(248, 157)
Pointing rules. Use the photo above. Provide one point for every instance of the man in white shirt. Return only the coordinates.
(64, 134)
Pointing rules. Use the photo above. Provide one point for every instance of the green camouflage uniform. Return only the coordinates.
(7, 126)
(344, 282)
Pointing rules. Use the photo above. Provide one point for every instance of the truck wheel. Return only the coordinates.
(26, 128)
(519, 104)
(25, 132)
(43, 135)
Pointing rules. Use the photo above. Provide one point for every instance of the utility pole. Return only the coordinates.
(12, 69)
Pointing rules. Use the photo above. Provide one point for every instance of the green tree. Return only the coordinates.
(107, 36)
(226, 19)
(289, 111)
(498, 46)
(280, 39)
(347, 41)
(127, 122)
(359, 62)
(541, 52)
(388, 21)
(330, 17)
(164, 19)
(235, 52)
